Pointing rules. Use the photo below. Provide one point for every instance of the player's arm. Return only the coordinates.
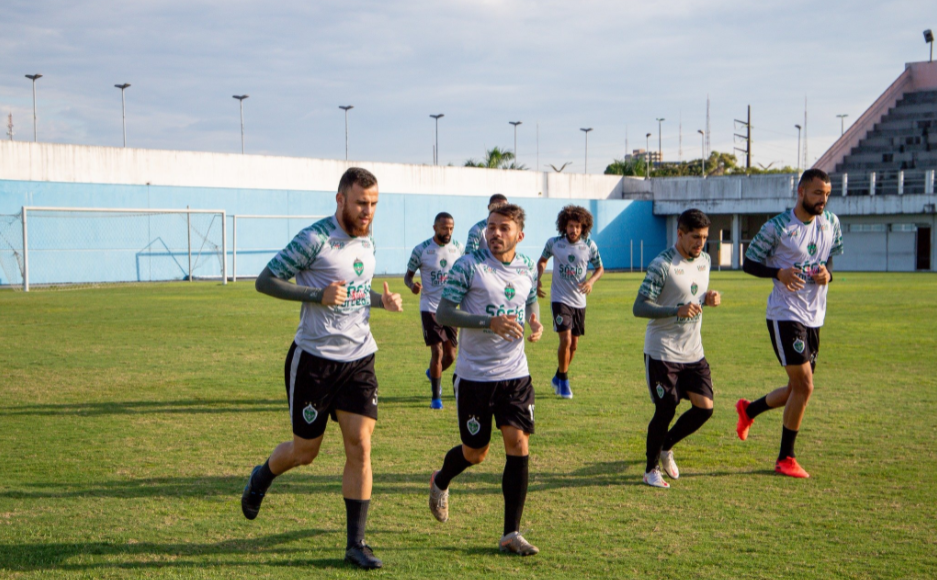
(388, 300)
(332, 295)
(647, 307)
(533, 319)
(824, 274)
(541, 268)
(790, 277)
(507, 327)
(410, 283)
(474, 240)
(586, 286)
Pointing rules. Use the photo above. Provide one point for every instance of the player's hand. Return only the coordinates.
(689, 310)
(391, 300)
(536, 329)
(586, 287)
(540, 291)
(822, 275)
(334, 294)
(713, 298)
(791, 279)
(416, 287)
(507, 327)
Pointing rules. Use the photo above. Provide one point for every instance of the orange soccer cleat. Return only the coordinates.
(789, 467)
(744, 423)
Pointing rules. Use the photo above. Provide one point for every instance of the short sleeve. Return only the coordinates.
(532, 296)
(657, 273)
(459, 280)
(764, 243)
(414, 264)
(837, 248)
(474, 238)
(548, 249)
(299, 255)
(595, 259)
(460, 247)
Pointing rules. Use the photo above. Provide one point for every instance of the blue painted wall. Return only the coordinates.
(105, 249)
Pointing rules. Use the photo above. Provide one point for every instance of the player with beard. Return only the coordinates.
(434, 258)
(795, 249)
(329, 369)
(476, 236)
(573, 251)
(489, 295)
(673, 295)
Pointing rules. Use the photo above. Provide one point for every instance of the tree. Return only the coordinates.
(633, 167)
(496, 158)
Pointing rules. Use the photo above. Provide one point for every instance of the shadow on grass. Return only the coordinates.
(188, 406)
(596, 474)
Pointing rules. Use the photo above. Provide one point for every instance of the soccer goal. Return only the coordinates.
(84, 246)
(255, 239)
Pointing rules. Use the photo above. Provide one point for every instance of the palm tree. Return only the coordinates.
(496, 158)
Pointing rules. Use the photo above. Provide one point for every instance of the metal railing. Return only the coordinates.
(887, 182)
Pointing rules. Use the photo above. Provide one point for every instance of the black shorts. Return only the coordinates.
(435, 333)
(510, 402)
(317, 387)
(794, 343)
(670, 382)
(566, 317)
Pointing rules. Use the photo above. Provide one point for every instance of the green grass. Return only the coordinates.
(132, 415)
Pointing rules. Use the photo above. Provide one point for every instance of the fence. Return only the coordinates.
(889, 182)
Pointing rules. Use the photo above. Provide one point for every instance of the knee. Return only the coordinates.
(803, 386)
(664, 412)
(573, 345)
(704, 413)
(358, 449)
(448, 357)
(474, 456)
(436, 352)
(304, 456)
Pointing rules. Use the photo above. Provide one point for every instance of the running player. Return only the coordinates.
(329, 369)
(434, 258)
(495, 290)
(795, 249)
(476, 236)
(573, 251)
(672, 296)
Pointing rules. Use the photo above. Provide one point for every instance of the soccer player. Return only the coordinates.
(476, 236)
(673, 295)
(572, 252)
(495, 290)
(795, 249)
(329, 369)
(434, 258)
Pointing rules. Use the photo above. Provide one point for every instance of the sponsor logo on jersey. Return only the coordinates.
(792, 233)
(693, 288)
(431, 251)
(442, 263)
(336, 244)
(660, 391)
(678, 270)
(310, 414)
(812, 249)
(359, 266)
(487, 268)
(473, 426)
(799, 346)
(509, 291)
(366, 243)
(701, 268)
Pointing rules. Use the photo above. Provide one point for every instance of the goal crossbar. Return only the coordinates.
(234, 233)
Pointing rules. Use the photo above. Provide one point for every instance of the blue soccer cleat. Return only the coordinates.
(435, 404)
(561, 388)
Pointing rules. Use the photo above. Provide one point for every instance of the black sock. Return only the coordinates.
(264, 477)
(686, 425)
(562, 376)
(758, 407)
(436, 383)
(788, 436)
(454, 464)
(657, 432)
(514, 487)
(356, 512)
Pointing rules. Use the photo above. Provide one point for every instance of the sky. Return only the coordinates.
(556, 66)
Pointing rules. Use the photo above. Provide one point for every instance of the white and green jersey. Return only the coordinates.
(785, 241)
(476, 237)
(571, 263)
(319, 255)
(480, 284)
(434, 262)
(673, 280)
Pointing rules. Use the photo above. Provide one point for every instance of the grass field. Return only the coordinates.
(132, 415)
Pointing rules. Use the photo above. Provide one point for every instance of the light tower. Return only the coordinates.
(34, 78)
(346, 108)
(586, 131)
(240, 99)
(123, 109)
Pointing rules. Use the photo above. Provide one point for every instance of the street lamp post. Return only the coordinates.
(702, 153)
(798, 148)
(123, 109)
(586, 131)
(841, 124)
(929, 39)
(660, 154)
(346, 108)
(647, 156)
(515, 123)
(240, 99)
(436, 148)
(33, 78)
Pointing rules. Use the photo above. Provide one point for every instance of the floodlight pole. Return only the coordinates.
(240, 99)
(929, 39)
(660, 153)
(515, 123)
(346, 108)
(33, 78)
(841, 124)
(586, 131)
(702, 153)
(436, 150)
(798, 148)
(647, 156)
(123, 109)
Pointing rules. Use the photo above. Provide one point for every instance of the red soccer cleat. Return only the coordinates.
(744, 422)
(789, 467)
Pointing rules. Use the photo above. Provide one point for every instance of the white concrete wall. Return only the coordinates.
(82, 164)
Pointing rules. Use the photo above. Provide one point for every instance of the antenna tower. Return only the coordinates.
(708, 150)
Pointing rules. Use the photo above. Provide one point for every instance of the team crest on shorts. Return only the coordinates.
(509, 291)
(660, 391)
(310, 414)
(799, 346)
(442, 263)
(559, 319)
(693, 288)
(812, 249)
(359, 266)
(473, 426)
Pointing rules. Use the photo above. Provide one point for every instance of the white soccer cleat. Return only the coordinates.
(669, 465)
(438, 500)
(516, 544)
(655, 479)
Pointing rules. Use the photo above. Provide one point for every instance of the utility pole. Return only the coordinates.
(748, 139)
(647, 156)
(798, 148)
(703, 152)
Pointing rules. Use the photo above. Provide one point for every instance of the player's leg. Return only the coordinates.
(562, 325)
(448, 353)
(801, 387)
(435, 374)
(662, 385)
(563, 354)
(285, 456)
(573, 345)
(696, 382)
(514, 412)
(783, 338)
(356, 485)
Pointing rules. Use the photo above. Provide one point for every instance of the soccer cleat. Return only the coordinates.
(435, 404)
(252, 497)
(744, 423)
(556, 386)
(561, 388)
(654, 479)
(669, 465)
(516, 544)
(438, 500)
(789, 467)
(362, 556)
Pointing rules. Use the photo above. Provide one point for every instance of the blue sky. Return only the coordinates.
(614, 66)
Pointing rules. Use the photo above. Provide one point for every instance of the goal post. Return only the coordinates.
(260, 243)
(81, 245)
